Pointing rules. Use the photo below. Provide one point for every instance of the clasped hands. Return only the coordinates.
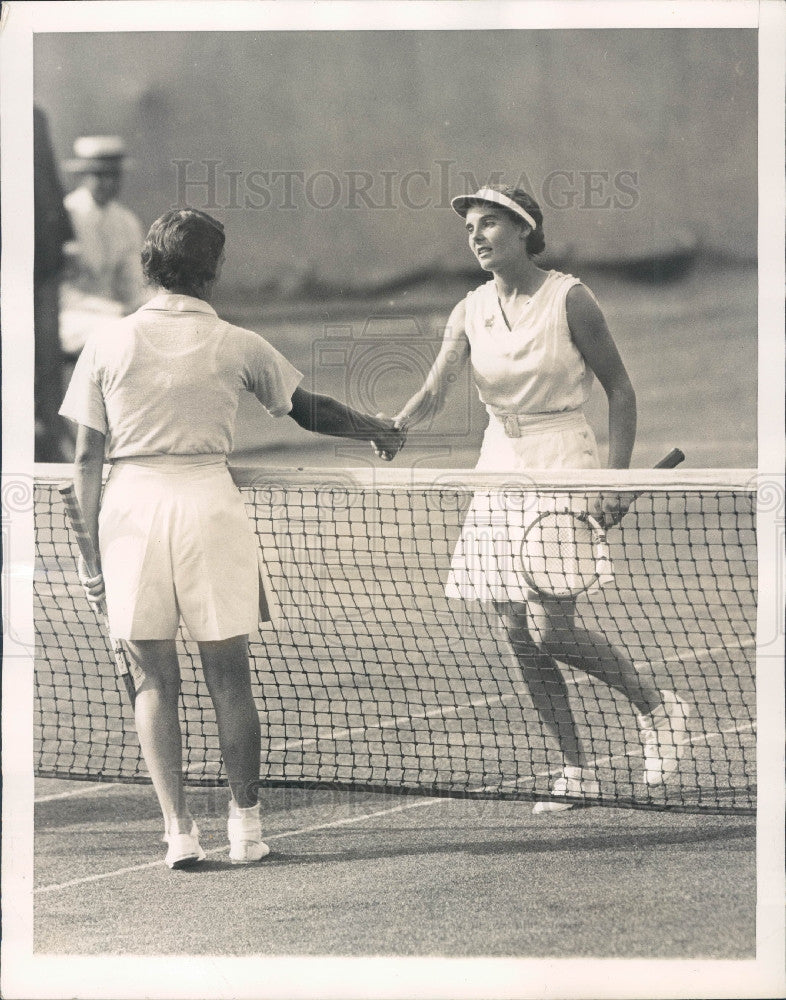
(388, 441)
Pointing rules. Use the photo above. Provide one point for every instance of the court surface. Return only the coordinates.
(369, 874)
(361, 874)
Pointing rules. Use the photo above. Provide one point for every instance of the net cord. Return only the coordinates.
(383, 477)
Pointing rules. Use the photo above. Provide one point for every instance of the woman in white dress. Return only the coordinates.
(156, 395)
(535, 339)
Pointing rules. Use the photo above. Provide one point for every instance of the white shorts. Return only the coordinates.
(176, 543)
(486, 564)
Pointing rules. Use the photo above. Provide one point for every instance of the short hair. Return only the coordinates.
(536, 238)
(182, 250)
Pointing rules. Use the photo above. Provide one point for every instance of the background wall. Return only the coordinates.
(637, 143)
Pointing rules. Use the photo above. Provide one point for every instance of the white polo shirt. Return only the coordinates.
(167, 379)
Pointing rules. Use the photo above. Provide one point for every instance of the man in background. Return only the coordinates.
(52, 230)
(103, 271)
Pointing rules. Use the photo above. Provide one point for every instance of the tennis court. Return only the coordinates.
(368, 872)
(364, 875)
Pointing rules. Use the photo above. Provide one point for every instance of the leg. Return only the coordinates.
(546, 684)
(225, 664)
(553, 627)
(158, 726)
(661, 714)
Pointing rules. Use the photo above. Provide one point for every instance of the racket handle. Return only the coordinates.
(88, 552)
(603, 564)
(123, 669)
(670, 461)
(82, 535)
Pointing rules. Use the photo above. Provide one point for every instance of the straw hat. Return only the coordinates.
(97, 154)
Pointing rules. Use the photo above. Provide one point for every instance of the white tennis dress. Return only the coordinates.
(164, 385)
(534, 382)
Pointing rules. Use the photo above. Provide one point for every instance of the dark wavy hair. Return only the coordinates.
(182, 250)
(536, 238)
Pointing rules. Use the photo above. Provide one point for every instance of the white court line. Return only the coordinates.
(420, 803)
(96, 789)
(437, 711)
(601, 761)
(445, 710)
(220, 850)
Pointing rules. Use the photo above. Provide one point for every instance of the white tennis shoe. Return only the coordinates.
(573, 781)
(245, 835)
(664, 732)
(184, 849)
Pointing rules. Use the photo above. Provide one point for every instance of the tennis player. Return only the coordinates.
(535, 339)
(157, 396)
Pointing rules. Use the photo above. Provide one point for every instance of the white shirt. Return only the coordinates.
(167, 379)
(535, 367)
(110, 243)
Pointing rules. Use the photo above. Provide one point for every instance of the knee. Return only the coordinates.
(522, 630)
(552, 627)
(527, 639)
(155, 668)
(230, 690)
(226, 667)
(551, 638)
(165, 689)
(231, 685)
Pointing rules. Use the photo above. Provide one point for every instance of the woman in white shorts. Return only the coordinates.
(535, 339)
(156, 394)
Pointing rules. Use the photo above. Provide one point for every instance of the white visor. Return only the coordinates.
(464, 202)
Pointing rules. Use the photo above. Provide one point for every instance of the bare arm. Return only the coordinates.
(326, 415)
(88, 464)
(592, 337)
(453, 355)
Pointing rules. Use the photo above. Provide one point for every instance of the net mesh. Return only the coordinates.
(374, 679)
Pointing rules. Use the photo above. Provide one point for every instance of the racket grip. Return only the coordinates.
(88, 552)
(83, 540)
(670, 461)
(603, 565)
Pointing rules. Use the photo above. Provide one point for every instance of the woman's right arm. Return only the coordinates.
(325, 415)
(88, 466)
(452, 357)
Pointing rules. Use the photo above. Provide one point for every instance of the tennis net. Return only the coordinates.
(374, 679)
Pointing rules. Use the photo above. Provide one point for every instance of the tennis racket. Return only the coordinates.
(564, 552)
(88, 552)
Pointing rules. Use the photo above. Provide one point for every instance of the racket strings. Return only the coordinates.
(563, 554)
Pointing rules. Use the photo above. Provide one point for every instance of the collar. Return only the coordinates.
(167, 302)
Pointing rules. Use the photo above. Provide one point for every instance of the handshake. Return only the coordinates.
(388, 441)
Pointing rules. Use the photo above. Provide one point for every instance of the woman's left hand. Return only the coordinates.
(609, 509)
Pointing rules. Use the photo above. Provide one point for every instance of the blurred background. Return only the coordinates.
(331, 158)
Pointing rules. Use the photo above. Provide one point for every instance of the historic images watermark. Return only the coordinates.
(213, 185)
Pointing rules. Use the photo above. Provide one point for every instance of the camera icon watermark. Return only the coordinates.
(376, 366)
